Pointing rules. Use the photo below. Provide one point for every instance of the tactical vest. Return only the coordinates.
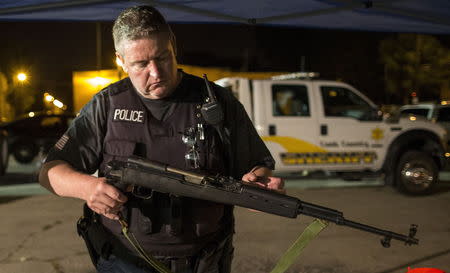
(164, 225)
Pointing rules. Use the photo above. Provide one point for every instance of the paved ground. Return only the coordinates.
(37, 234)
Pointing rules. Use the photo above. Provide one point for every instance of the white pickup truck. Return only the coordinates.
(310, 124)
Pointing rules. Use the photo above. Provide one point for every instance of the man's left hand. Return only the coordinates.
(267, 182)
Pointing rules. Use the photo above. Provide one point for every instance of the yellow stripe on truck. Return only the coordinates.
(294, 145)
(328, 158)
(299, 152)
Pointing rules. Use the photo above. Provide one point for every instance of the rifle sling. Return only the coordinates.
(161, 268)
(297, 247)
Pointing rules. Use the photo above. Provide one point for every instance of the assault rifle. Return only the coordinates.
(163, 178)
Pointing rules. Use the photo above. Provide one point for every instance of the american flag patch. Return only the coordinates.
(61, 142)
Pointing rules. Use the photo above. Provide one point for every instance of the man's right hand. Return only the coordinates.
(62, 179)
(105, 199)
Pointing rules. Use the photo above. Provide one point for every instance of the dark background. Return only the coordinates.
(50, 51)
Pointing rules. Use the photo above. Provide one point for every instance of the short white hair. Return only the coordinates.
(140, 22)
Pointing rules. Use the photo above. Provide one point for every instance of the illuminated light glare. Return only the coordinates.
(259, 128)
(31, 114)
(412, 118)
(444, 102)
(99, 81)
(49, 98)
(447, 154)
(58, 103)
(119, 62)
(21, 77)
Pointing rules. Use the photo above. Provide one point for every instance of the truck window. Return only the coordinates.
(342, 102)
(443, 115)
(423, 112)
(290, 100)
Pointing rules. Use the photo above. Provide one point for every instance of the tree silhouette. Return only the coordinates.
(415, 63)
(6, 112)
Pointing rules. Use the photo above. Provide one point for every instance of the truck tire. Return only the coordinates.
(25, 152)
(416, 173)
(4, 154)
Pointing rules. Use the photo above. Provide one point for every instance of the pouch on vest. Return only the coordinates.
(141, 213)
(167, 213)
(206, 216)
(117, 149)
(94, 235)
(216, 255)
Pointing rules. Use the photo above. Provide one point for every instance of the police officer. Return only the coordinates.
(155, 113)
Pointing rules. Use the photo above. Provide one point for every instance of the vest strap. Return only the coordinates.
(176, 210)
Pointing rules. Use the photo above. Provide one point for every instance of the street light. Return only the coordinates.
(58, 104)
(48, 97)
(20, 81)
(22, 77)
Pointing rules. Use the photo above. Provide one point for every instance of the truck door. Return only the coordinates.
(350, 128)
(285, 120)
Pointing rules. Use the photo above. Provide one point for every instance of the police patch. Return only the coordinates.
(128, 115)
(62, 142)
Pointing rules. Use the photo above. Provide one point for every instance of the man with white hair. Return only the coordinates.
(150, 114)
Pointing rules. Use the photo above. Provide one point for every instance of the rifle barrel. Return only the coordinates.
(337, 217)
(387, 234)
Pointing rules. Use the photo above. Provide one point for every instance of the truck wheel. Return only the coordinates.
(25, 152)
(416, 173)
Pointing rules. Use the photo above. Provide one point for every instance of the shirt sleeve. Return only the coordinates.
(248, 148)
(82, 144)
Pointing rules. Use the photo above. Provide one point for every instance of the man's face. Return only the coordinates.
(151, 65)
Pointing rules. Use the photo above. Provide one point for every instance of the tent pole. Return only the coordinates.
(98, 44)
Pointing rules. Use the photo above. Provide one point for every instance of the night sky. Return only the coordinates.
(50, 51)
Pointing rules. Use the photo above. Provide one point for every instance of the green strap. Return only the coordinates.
(148, 258)
(283, 263)
(297, 247)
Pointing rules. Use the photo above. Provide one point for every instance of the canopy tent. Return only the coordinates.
(421, 16)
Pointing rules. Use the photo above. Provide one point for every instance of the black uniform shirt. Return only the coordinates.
(82, 145)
